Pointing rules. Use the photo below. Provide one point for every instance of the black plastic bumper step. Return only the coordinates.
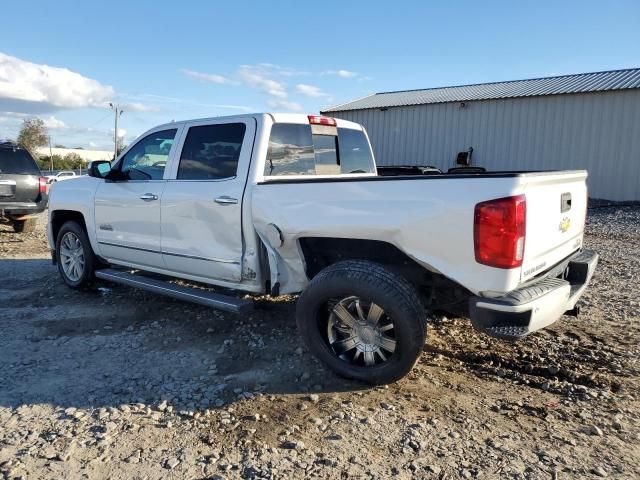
(188, 294)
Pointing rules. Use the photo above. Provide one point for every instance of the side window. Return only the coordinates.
(290, 150)
(147, 159)
(211, 152)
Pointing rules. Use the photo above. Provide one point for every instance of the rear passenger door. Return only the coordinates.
(202, 202)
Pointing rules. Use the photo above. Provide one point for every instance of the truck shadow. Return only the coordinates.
(112, 345)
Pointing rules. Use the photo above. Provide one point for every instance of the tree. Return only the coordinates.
(44, 162)
(33, 134)
(72, 161)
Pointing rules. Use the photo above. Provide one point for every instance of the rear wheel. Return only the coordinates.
(25, 226)
(74, 256)
(362, 321)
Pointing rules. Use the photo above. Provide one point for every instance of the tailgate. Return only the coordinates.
(556, 211)
(19, 188)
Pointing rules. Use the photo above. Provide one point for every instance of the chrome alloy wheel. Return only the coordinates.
(72, 256)
(359, 332)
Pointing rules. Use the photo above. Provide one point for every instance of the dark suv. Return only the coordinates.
(23, 189)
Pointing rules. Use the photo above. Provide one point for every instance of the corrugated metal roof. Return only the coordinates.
(577, 83)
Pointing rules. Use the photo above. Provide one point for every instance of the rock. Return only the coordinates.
(172, 463)
(600, 472)
(162, 406)
(134, 457)
(595, 430)
(293, 445)
(314, 398)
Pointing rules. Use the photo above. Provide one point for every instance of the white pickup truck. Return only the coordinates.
(289, 203)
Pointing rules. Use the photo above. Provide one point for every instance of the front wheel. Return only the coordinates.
(74, 256)
(362, 321)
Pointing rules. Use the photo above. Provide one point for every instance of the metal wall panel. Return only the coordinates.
(599, 132)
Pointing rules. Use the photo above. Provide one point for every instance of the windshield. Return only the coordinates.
(17, 161)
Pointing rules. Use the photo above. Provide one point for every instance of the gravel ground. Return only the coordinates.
(121, 384)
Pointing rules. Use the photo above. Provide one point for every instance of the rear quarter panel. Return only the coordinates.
(430, 219)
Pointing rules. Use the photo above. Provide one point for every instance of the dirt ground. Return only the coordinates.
(117, 383)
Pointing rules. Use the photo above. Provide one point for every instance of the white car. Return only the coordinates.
(64, 175)
(290, 203)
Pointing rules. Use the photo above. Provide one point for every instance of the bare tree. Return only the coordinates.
(33, 134)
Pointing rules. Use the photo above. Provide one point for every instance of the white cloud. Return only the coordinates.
(256, 78)
(280, 70)
(310, 90)
(31, 87)
(342, 73)
(208, 77)
(121, 132)
(284, 104)
(138, 107)
(54, 123)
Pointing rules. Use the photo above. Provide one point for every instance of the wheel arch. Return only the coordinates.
(60, 217)
(321, 252)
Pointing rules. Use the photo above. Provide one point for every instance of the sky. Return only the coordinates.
(64, 61)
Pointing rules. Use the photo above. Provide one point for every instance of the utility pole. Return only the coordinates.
(118, 111)
(50, 154)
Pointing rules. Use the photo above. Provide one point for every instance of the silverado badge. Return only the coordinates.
(565, 224)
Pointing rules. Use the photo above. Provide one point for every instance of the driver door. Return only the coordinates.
(127, 210)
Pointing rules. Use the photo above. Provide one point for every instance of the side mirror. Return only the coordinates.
(99, 168)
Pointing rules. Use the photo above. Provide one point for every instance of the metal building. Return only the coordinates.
(584, 121)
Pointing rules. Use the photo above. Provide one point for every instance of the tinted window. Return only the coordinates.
(17, 161)
(355, 153)
(211, 152)
(147, 159)
(290, 150)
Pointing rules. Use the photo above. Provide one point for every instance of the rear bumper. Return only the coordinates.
(534, 306)
(22, 208)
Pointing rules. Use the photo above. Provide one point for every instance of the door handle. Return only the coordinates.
(224, 200)
(148, 197)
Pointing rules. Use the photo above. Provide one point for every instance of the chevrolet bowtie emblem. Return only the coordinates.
(565, 224)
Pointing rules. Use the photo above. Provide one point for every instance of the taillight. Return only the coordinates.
(42, 184)
(320, 120)
(499, 231)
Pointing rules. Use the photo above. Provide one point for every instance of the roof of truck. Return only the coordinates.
(278, 117)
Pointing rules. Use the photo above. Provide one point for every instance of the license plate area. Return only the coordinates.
(7, 189)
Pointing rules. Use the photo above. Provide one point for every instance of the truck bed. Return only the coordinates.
(429, 217)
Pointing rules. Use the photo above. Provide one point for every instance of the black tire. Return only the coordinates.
(368, 281)
(25, 226)
(90, 260)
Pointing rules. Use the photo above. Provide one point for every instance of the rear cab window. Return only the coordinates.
(304, 149)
